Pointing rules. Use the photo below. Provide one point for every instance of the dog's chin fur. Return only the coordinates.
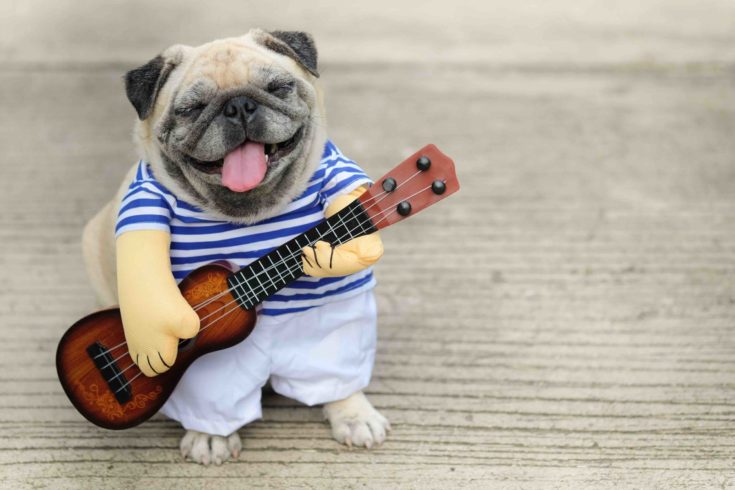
(311, 149)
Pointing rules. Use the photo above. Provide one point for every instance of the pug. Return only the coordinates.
(234, 156)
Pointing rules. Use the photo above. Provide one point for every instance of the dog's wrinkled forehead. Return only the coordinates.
(227, 64)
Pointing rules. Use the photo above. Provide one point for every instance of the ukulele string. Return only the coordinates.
(293, 269)
(228, 289)
(294, 254)
(298, 266)
(289, 270)
(377, 198)
(237, 307)
(380, 197)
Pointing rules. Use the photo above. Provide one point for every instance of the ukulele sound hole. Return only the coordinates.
(116, 381)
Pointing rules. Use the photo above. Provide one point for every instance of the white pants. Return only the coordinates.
(315, 356)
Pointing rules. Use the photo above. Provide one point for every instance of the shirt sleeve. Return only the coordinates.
(146, 206)
(341, 175)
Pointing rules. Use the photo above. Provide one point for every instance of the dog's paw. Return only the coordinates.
(205, 448)
(355, 422)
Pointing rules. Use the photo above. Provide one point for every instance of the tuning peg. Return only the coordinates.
(404, 208)
(423, 163)
(389, 184)
(438, 187)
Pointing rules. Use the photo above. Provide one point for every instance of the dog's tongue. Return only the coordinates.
(244, 167)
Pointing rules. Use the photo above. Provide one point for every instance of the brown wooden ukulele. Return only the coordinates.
(92, 359)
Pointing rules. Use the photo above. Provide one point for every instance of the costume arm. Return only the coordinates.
(347, 258)
(155, 315)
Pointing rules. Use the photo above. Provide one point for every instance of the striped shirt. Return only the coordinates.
(198, 238)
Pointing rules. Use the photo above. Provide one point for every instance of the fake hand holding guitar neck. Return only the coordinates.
(118, 370)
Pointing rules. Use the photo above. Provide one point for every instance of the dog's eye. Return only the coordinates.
(280, 88)
(189, 110)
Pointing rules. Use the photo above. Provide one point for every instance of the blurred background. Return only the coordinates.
(566, 320)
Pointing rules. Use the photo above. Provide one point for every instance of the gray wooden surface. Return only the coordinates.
(566, 320)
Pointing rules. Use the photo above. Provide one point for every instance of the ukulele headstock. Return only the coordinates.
(419, 181)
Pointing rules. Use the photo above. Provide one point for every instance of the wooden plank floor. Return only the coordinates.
(566, 321)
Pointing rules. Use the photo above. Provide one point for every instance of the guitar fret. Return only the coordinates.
(361, 222)
(239, 287)
(311, 236)
(334, 233)
(257, 278)
(277, 269)
(269, 276)
(251, 296)
(349, 235)
(235, 289)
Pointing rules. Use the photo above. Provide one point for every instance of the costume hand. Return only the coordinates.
(323, 260)
(153, 331)
(155, 315)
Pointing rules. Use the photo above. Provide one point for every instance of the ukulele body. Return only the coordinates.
(110, 393)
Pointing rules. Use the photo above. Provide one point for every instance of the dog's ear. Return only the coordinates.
(143, 83)
(297, 45)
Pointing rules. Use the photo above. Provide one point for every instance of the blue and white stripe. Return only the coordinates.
(198, 239)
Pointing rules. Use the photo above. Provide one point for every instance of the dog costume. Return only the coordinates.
(314, 339)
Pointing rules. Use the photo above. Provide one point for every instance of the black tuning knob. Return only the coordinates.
(438, 187)
(389, 184)
(423, 163)
(404, 208)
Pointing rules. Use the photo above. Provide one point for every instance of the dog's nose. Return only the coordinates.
(240, 107)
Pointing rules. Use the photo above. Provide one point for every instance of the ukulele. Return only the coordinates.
(92, 359)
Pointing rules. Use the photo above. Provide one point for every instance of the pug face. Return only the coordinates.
(235, 126)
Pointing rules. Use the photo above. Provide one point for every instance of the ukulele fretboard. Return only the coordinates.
(267, 275)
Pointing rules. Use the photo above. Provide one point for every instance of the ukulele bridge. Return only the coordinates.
(107, 367)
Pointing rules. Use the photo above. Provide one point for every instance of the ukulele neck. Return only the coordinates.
(421, 180)
(270, 273)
